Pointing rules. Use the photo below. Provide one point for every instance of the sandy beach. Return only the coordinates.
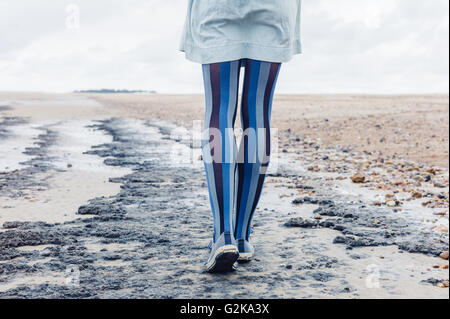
(104, 196)
(409, 126)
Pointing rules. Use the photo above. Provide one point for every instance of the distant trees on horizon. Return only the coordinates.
(113, 91)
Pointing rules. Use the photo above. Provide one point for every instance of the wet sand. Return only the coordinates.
(90, 188)
(68, 178)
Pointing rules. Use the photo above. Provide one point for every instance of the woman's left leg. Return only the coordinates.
(219, 156)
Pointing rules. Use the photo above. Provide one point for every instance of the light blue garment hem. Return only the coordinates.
(239, 51)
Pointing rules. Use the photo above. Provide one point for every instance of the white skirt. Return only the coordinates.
(228, 30)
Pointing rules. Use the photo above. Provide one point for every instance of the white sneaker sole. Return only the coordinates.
(244, 257)
(223, 259)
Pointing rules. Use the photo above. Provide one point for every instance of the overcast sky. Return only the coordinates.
(349, 46)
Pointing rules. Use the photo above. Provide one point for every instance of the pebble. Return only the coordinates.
(444, 255)
(358, 178)
(443, 284)
(417, 195)
(391, 203)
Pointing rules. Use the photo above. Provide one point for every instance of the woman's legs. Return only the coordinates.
(219, 144)
(254, 151)
(235, 180)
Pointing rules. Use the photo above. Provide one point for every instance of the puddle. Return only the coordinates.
(13, 147)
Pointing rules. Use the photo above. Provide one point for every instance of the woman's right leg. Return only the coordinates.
(254, 152)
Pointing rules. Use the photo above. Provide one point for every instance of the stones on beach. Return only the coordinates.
(339, 240)
(417, 195)
(432, 281)
(433, 170)
(399, 183)
(443, 284)
(305, 200)
(376, 171)
(111, 257)
(325, 211)
(439, 185)
(377, 203)
(441, 213)
(427, 203)
(353, 242)
(301, 223)
(393, 203)
(440, 266)
(444, 255)
(358, 178)
(384, 230)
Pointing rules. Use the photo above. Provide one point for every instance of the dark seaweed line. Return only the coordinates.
(16, 184)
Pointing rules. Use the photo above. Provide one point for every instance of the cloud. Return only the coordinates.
(356, 46)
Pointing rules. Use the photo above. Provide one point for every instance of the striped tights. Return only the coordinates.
(235, 174)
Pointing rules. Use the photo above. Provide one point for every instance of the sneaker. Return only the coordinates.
(224, 254)
(246, 250)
